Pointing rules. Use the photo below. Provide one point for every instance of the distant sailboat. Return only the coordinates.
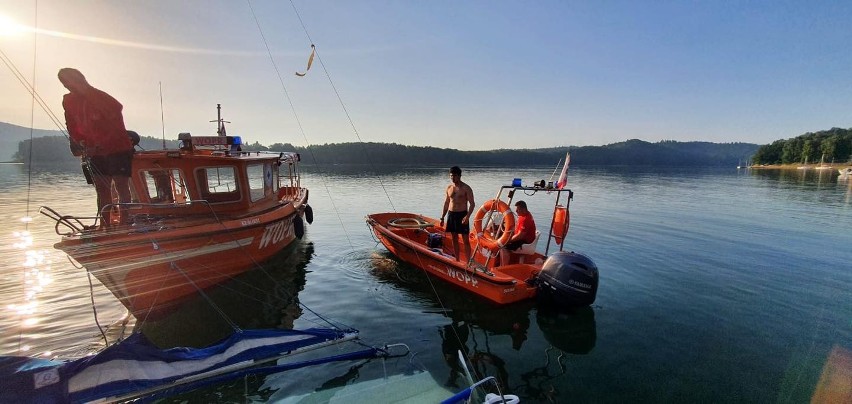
(805, 165)
(822, 165)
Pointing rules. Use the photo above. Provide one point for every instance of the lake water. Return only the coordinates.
(716, 285)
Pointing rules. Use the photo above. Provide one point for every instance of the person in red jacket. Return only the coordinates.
(524, 232)
(96, 127)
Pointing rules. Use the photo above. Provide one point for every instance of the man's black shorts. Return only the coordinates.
(112, 165)
(454, 223)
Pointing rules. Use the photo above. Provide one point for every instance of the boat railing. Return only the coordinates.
(75, 224)
(470, 393)
(530, 191)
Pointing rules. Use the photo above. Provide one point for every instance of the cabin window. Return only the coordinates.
(218, 184)
(260, 179)
(165, 186)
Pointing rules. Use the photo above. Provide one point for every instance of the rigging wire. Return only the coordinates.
(30, 162)
(20, 77)
(358, 136)
(340, 100)
(298, 121)
(32, 121)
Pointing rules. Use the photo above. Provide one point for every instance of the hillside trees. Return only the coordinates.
(834, 144)
(629, 153)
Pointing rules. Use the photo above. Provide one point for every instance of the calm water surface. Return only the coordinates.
(716, 285)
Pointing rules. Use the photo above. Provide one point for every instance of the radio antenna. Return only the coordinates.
(162, 117)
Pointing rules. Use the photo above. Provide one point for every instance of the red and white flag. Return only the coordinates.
(563, 178)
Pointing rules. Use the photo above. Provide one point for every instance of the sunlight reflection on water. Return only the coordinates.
(35, 276)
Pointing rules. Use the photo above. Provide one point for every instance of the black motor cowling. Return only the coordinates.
(568, 279)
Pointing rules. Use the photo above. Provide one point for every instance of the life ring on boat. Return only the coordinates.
(409, 223)
(486, 239)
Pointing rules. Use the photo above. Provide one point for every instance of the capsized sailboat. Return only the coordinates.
(134, 368)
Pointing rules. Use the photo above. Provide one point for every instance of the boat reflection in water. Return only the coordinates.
(571, 332)
(474, 322)
(266, 297)
(479, 329)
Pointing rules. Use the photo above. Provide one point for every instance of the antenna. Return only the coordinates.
(220, 127)
(162, 118)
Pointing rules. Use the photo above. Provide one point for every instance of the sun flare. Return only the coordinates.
(8, 27)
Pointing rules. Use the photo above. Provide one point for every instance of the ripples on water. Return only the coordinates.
(716, 285)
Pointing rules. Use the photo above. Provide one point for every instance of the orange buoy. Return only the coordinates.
(561, 222)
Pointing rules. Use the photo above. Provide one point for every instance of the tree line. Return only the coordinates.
(830, 145)
(55, 149)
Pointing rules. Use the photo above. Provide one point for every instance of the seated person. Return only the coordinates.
(524, 232)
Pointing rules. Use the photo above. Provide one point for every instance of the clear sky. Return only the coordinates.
(472, 75)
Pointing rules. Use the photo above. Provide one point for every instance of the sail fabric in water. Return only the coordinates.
(135, 366)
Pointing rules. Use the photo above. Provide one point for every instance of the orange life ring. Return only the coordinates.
(485, 239)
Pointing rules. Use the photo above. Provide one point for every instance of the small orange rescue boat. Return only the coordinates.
(565, 278)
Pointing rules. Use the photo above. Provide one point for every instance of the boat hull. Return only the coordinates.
(152, 268)
(501, 285)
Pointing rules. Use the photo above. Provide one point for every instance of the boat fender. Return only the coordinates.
(492, 398)
(298, 227)
(561, 223)
(309, 213)
(486, 240)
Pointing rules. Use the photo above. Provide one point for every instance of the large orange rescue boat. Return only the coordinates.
(200, 215)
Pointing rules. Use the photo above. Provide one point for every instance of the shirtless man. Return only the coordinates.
(458, 202)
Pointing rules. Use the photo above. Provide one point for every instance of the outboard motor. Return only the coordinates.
(568, 279)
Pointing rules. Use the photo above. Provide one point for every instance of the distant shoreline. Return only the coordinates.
(834, 166)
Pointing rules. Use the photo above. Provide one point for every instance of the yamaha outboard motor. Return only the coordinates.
(568, 279)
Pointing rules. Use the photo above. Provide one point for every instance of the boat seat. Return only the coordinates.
(528, 249)
(522, 251)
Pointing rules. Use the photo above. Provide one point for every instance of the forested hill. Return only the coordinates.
(632, 152)
(11, 135)
(830, 145)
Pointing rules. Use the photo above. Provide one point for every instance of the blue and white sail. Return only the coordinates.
(134, 368)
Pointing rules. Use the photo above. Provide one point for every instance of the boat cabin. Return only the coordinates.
(212, 174)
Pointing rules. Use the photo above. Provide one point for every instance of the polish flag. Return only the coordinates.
(563, 178)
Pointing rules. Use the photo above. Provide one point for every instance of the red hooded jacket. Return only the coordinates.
(94, 122)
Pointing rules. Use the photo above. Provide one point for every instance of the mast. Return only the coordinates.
(220, 123)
